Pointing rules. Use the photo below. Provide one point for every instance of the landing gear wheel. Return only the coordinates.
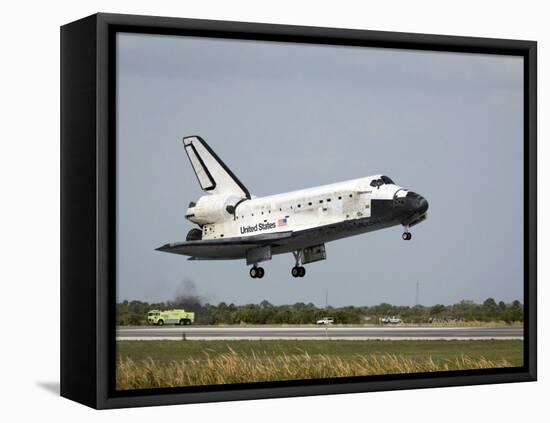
(257, 272)
(407, 236)
(298, 271)
(254, 272)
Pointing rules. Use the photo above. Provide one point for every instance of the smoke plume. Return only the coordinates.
(187, 296)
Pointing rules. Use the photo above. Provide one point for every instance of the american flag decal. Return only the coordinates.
(282, 222)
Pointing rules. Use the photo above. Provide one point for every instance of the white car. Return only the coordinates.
(325, 321)
(392, 320)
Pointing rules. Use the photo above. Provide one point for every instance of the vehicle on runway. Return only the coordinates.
(233, 224)
(175, 317)
(325, 321)
(392, 320)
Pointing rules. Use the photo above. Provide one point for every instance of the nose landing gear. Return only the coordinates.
(257, 272)
(406, 235)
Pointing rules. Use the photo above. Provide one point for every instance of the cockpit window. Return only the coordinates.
(381, 181)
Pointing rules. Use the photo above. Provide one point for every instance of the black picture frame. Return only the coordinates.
(88, 208)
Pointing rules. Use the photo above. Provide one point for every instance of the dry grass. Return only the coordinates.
(232, 367)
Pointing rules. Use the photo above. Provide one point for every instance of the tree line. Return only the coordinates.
(135, 312)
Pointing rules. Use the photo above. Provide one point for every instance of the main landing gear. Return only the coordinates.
(298, 271)
(257, 272)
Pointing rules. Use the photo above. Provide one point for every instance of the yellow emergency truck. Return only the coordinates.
(170, 317)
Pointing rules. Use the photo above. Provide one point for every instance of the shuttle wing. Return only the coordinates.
(280, 242)
(213, 175)
(224, 248)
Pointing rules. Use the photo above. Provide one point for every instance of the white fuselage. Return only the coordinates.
(299, 210)
(237, 225)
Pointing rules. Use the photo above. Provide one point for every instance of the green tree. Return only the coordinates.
(490, 307)
(266, 304)
(437, 309)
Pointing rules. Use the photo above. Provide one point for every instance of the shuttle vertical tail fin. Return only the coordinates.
(213, 175)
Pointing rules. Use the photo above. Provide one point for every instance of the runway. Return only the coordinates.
(152, 333)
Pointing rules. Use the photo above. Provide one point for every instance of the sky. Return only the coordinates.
(287, 116)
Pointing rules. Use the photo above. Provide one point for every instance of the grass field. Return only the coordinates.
(153, 364)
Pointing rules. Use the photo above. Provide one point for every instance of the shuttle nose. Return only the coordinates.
(417, 203)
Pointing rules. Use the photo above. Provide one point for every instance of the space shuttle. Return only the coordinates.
(232, 224)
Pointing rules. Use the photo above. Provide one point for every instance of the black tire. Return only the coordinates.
(301, 271)
(182, 322)
(409, 236)
(160, 322)
(254, 272)
(194, 235)
(295, 271)
(261, 272)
